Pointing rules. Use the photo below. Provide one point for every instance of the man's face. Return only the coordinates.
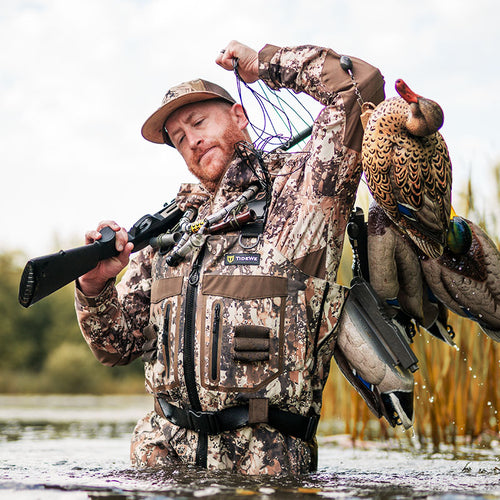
(205, 134)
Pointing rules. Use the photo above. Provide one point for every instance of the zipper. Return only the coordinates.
(189, 357)
(164, 337)
(190, 333)
(215, 341)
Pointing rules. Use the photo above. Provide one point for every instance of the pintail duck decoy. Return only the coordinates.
(408, 169)
(386, 388)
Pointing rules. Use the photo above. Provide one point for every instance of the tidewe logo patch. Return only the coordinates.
(242, 259)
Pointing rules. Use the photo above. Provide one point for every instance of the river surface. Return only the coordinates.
(77, 447)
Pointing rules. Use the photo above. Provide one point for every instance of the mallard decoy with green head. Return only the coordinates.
(466, 278)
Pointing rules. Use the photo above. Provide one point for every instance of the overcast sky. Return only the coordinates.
(79, 78)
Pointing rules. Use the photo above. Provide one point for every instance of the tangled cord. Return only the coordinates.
(270, 102)
(273, 108)
(248, 153)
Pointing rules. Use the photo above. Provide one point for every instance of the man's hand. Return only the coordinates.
(248, 60)
(92, 283)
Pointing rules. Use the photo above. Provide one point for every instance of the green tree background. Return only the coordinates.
(42, 349)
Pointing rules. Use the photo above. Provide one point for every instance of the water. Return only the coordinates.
(72, 448)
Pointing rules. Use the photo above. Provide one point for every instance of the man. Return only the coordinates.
(238, 333)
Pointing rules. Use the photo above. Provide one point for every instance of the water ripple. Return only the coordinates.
(82, 458)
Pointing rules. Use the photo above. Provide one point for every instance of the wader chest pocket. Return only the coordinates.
(166, 296)
(242, 331)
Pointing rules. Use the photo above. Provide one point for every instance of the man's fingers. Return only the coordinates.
(233, 50)
(247, 60)
(110, 223)
(225, 59)
(95, 234)
(121, 239)
(91, 236)
(127, 250)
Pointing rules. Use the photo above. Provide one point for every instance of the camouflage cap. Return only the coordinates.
(180, 95)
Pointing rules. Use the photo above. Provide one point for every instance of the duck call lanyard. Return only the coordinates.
(366, 107)
(230, 217)
(194, 232)
(346, 65)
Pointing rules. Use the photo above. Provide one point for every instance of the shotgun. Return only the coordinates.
(44, 275)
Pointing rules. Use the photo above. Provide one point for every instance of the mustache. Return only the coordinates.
(200, 151)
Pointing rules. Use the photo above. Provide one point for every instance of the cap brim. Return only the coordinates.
(152, 128)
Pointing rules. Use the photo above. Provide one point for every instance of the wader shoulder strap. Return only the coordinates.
(358, 237)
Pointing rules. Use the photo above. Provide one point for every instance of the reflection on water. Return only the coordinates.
(14, 431)
(73, 448)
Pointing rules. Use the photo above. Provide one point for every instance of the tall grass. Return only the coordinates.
(456, 391)
(457, 394)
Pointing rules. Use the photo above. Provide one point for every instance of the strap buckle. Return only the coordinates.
(203, 421)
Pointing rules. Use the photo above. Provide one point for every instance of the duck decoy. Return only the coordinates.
(466, 277)
(408, 168)
(396, 276)
(387, 388)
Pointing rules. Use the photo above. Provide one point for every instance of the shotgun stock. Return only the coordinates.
(44, 275)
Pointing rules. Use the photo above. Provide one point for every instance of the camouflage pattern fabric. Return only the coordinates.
(265, 316)
(250, 450)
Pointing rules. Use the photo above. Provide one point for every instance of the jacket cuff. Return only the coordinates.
(268, 71)
(98, 301)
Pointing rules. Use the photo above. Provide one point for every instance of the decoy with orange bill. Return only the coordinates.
(408, 168)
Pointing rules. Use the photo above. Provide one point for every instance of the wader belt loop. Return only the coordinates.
(235, 417)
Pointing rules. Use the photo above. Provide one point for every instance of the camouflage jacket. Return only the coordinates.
(260, 319)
